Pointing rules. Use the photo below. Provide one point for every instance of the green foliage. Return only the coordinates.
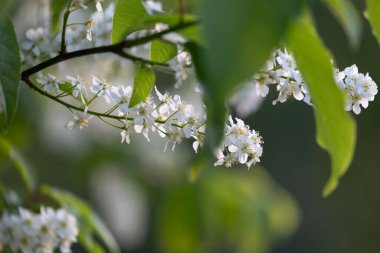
(90, 223)
(227, 210)
(336, 130)
(5, 7)
(142, 86)
(162, 51)
(234, 51)
(372, 14)
(19, 163)
(9, 72)
(129, 17)
(349, 18)
(56, 8)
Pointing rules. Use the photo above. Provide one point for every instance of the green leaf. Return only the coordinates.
(56, 9)
(19, 162)
(349, 18)
(239, 37)
(372, 13)
(6, 5)
(238, 48)
(129, 17)
(91, 221)
(143, 84)
(9, 71)
(336, 130)
(162, 51)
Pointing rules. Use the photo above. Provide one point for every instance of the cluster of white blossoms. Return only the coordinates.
(168, 116)
(45, 232)
(358, 88)
(40, 43)
(240, 145)
(281, 70)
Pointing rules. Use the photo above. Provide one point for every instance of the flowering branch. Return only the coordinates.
(116, 49)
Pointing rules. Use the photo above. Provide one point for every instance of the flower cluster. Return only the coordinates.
(44, 232)
(168, 116)
(240, 145)
(358, 88)
(281, 70)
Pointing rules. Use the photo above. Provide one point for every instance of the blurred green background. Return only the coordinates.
(143, 195)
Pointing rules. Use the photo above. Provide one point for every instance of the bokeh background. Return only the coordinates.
(144, 197)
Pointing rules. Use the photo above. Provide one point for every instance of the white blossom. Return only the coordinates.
(90, 24)
(80, 120)
(98, 5)
(359, 89)
(240, 145)
(78, 88)
(50, 83)
(44, 232)
(79, 4)
(153, 7)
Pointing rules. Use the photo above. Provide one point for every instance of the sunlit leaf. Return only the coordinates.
(19, 163)
(9, 72)
(349, 18)
(372, 13)
(336, 130)
(142, 86)
(91, 222)
(162, 51)
(129, 17)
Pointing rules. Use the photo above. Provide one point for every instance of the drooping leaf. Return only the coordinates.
(56, 8)
(19, 163)
(142, 86)
(237, 45)
(162, 51)
(372, 13)
(336, 130)
(9, 71)
(239, 37)
(129, 17)
(92, 224)
(349, 18)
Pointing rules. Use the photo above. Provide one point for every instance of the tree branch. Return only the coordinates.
(116, 49)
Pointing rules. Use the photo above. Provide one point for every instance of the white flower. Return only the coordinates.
(246, 101)
(80, 120)
(79, 4)
(152, 7)
(359, 89)
(128, 125)
(181, 66)
(78, 87)
(240, 145)
(41, 233)
(121, 95)
(90, 27)
(50, 83)
(101, 88)
(98, 5)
